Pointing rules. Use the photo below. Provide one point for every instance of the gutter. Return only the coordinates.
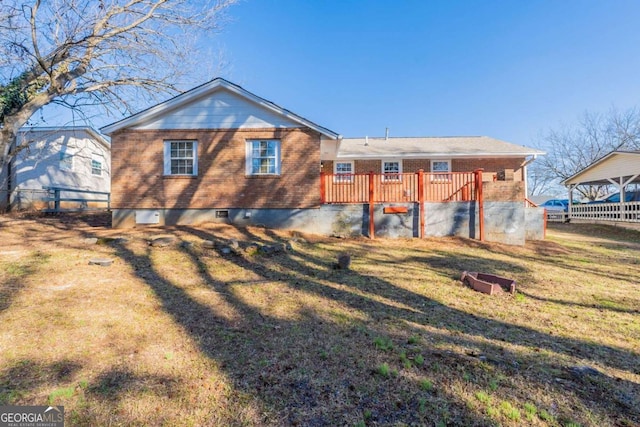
(529, 161)
(339, 139)
(436, 156)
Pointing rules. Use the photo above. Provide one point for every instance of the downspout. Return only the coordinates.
(338, 144)
(336, 154)
(524, 172)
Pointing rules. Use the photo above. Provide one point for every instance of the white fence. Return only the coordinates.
(557, 216)
(620, 212)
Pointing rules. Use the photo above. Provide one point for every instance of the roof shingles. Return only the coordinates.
(445, 147)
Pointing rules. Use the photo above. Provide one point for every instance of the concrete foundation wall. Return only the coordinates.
(504, 221)
(534, 218)
(343, 220)
(394, 225)
(451, 219)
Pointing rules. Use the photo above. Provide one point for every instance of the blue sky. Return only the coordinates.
(506, 69)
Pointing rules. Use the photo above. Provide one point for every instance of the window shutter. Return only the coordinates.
(167, 158)
(195, 158)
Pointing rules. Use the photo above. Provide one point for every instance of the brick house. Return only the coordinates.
(220, 152)
(504, 164)
(214, 148)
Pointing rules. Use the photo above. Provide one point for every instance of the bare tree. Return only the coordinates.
(80, 53)
(539, 181)
(572, 148)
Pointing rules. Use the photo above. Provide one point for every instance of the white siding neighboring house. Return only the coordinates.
(67, 157)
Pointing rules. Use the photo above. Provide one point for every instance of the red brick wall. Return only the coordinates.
(137, 161)
(414, 165)
(490, 166)
(503, 191)
(366, 166)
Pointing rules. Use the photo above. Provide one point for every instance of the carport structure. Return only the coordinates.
(618, 168)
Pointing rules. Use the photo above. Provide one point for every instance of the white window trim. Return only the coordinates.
(96, 158)
(337, 176)
(441, 177)
(167, 157)
(60, 162)
(249, 157)
(385, 176)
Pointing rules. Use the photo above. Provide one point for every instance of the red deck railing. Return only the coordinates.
(419, 187)
(398, 188)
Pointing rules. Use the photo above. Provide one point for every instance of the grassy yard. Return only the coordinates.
(185, 335)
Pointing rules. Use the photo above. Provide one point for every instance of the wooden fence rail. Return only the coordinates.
(59, 201)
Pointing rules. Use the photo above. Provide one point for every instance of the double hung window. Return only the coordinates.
(440, 170)
(96, 167)
(391, 170)
(343, 172)
(181, 158)
(263, 157)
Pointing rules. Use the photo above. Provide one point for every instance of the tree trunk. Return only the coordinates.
(7, 140)
(8, 144)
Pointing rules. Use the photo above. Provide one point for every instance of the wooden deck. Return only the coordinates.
(398, 188)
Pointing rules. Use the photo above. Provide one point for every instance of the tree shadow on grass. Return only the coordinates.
(112, 387)
(258, 352)
(362, 293)
(281, 360)
(604, 305)
(69, 220)
(551, 254)
(24, 376)
(9, 289)
(18, 272)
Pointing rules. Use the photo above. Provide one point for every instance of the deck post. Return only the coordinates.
(372, 225)
(323, 189)
(480, 198)
(421, 201)
(56, 202)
